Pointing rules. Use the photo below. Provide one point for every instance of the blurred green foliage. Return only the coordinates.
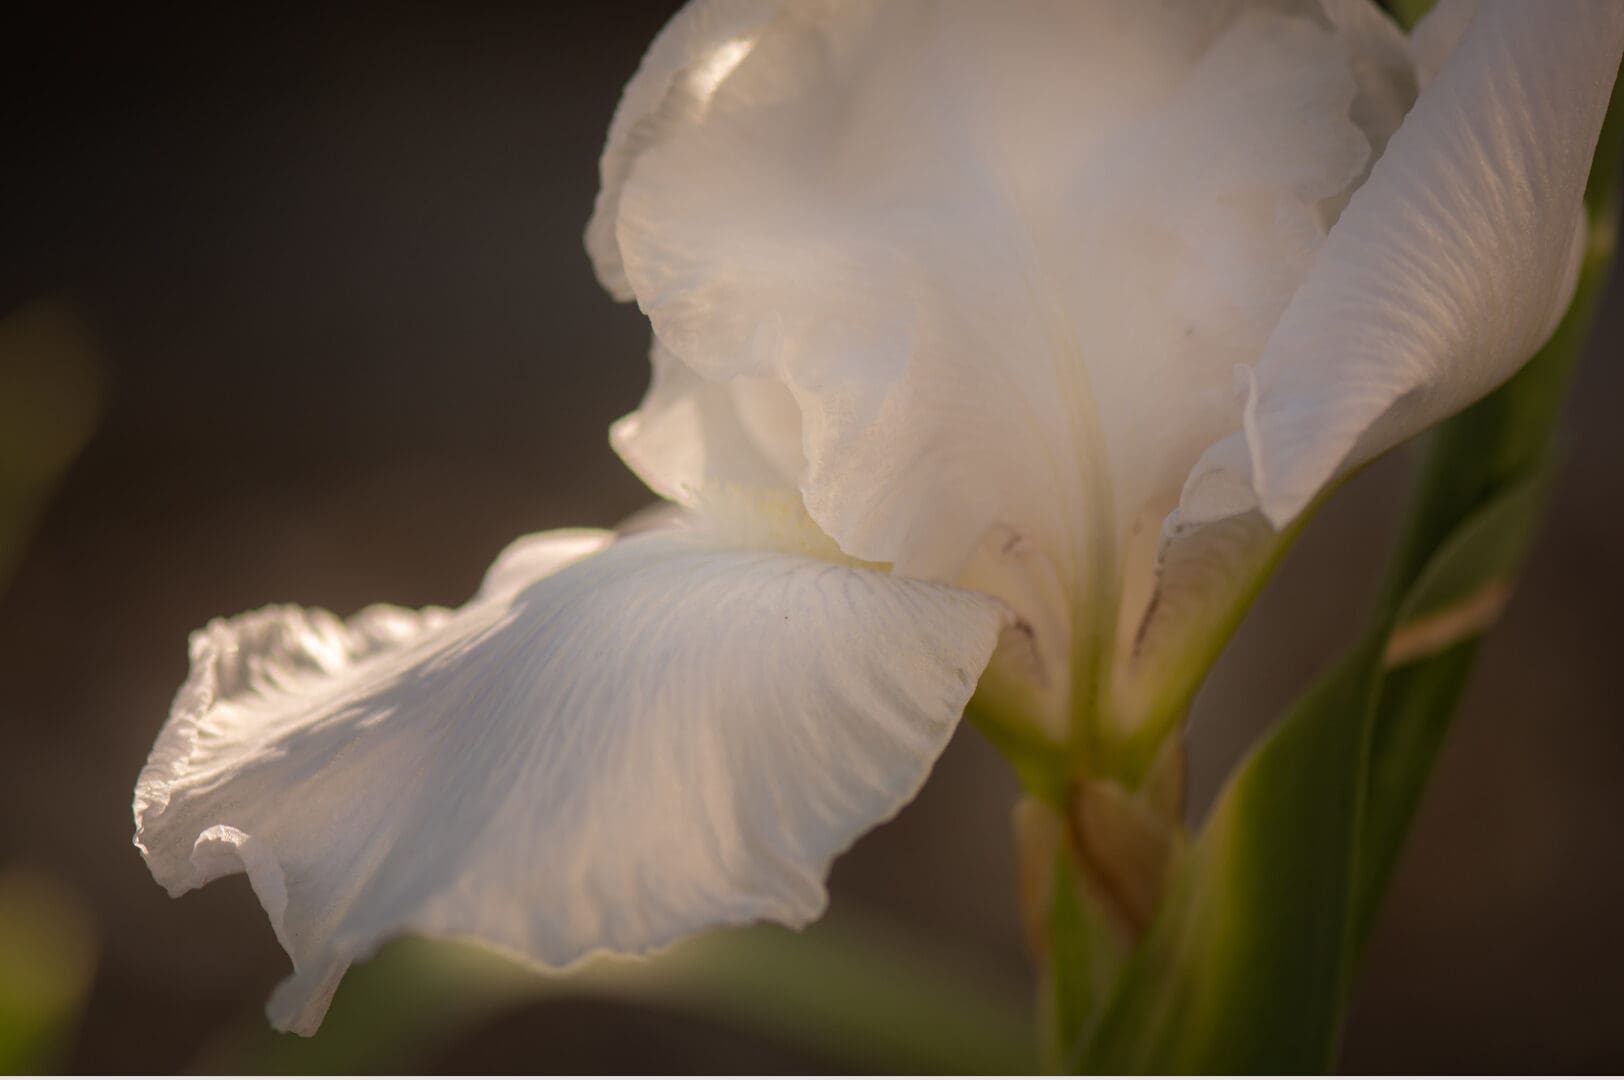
(849, 991)
(50, 398)
(47, 961)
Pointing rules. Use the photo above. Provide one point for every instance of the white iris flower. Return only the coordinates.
(984, 333)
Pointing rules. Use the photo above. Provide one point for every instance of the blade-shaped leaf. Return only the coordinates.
(1428, 657)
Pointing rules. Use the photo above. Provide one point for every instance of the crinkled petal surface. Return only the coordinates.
(1451, 265)
(1001, 258)
(613, 745)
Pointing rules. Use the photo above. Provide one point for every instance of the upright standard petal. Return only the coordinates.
(978, 245)
(984, 272)
(1450, 265)
(613, 745)
(684, 65)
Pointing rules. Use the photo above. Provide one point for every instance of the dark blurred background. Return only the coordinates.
(324, 276)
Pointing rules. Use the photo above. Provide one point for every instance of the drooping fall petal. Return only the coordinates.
(612, 746)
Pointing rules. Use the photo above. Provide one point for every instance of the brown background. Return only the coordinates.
(334, 266)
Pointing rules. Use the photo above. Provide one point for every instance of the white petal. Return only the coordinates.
(597, 753)
(1383, 65)
(682, 68)
(1436, 35)
(980, 245)
(692, 434)
(1452, 264)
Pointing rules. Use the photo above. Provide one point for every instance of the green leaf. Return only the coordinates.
(1456, 597)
